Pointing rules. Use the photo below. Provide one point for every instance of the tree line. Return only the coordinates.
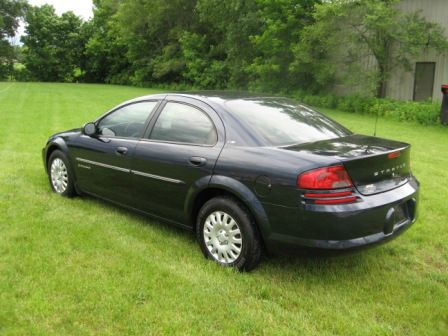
(263, 45)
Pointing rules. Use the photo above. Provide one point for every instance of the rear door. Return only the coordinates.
(178, 152)
(103, 161)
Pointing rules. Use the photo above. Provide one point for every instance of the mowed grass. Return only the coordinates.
(81, 266)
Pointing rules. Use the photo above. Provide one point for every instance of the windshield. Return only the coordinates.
(282, 122)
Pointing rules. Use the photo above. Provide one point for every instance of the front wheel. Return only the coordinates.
(60, 174)
(227, 234)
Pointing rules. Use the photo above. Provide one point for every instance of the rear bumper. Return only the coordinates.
(283, 242)
(370, 222)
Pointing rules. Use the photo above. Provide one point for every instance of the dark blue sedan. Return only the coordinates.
(247, 173)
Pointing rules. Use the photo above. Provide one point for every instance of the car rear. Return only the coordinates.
(347, 190)
(326, 187)
(370, 195)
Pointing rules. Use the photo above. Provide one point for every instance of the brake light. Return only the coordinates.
(393, 155)
(333, 177)
(328, 195)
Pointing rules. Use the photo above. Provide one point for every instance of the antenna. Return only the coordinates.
(376, 122)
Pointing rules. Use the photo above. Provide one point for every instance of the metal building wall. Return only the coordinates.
(401, 84)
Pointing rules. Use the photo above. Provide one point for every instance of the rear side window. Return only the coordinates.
(128, 121)
(282, 122)
(184, 123)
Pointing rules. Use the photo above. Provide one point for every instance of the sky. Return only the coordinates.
(81, 8)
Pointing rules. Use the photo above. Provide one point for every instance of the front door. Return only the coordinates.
(424, 80)
(103, 162)
(179, 151)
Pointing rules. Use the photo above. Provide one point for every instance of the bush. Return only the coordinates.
(20, 73)
(426, 113)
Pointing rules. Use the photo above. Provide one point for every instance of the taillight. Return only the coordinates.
(327, 195)
(323, 186)
(393, 155)
(333, 177)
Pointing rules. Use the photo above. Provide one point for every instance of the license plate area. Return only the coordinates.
(399, 215)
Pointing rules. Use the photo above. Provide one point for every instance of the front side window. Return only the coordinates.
(128, 121)
(184, 123)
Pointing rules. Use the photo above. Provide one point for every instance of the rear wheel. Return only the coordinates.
(227, 234)
(60, 174)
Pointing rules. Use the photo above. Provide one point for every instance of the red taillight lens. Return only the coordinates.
(328, 195)
(393, 155)
(332, 177)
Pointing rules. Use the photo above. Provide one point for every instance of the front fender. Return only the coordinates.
(236, 188)
(53, 143)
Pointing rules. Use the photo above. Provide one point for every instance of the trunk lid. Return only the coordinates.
(374, 164)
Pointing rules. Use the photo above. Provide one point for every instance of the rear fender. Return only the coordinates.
(236, 188)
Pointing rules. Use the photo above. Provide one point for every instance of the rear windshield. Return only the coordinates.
(283, 122)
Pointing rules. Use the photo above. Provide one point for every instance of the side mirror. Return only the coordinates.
(89, 129)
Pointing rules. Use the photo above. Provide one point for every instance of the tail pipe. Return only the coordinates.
(444, 109)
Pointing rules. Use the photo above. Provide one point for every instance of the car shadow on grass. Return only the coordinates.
(300, 263)
(321, 262)
(145, 219)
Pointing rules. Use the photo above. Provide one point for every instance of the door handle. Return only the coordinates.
(198, 161)
(121, 150)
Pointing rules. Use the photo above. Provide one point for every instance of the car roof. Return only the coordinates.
(209, 96)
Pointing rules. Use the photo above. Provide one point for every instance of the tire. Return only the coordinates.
(60, 174)
(227, 234)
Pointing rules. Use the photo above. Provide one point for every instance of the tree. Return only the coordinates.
(245, 44)
(346, 33)
(151, 30)
(218, 49)
(283, 22)
(106, 53)
(210, 44)
(10, 13)
(53, 45)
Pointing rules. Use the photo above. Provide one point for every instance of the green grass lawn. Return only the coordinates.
(81, 266)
